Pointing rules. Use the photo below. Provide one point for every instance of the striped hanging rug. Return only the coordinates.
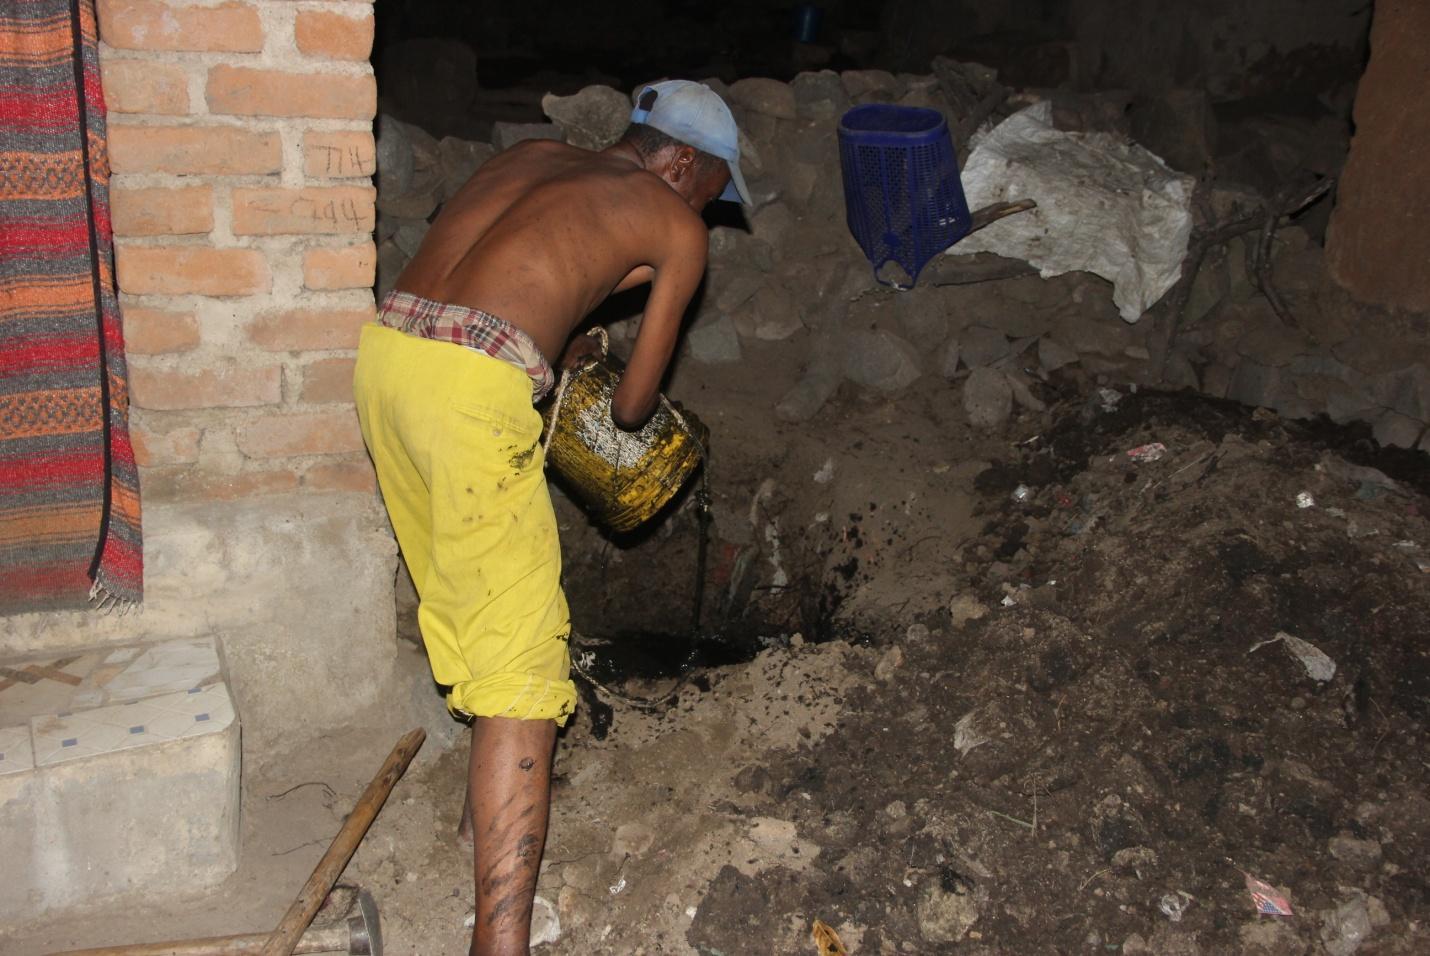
(69, 489)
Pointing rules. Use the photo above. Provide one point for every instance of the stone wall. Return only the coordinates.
(242, 150)
(786, 277)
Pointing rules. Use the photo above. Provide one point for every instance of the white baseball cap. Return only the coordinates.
(695, 115)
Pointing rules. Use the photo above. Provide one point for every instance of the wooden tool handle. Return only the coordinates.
(327, 939)
(285, 937)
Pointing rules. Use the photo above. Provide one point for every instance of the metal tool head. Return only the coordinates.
(364, 927)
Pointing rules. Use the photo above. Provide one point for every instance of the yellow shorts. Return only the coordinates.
(459, 461)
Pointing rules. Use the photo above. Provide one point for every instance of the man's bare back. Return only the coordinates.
(544, 232)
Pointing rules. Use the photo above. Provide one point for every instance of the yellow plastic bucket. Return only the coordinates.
(623, 478)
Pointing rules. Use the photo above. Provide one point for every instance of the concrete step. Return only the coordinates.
(119, 776)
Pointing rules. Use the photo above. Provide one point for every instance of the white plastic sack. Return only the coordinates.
(1105, 206)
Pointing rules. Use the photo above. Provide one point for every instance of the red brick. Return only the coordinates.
(142, 86)
(248, 91)
(313, 210)
(355, 475)
(328, 380)
(177, 446)
(231, 387)
(301, 433)
(302, 330)
(161, 212)
(152, 25)
(192, 270)
(189, 484)
(158, 331)
(339, 154)
(193, 150)
(351, 267)
(334, 36)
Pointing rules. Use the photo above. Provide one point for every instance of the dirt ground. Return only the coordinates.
(953, 692)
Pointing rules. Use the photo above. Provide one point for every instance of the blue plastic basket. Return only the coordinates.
(902, 192)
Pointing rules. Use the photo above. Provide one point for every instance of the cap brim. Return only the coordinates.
(735, 190)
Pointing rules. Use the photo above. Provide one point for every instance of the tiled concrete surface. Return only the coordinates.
(119, 774)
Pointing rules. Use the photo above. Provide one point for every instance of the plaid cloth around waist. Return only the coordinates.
(472, 328)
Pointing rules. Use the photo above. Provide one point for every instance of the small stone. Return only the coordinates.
(987, 398)
(964, 608)
(762, 95)
(715, 343)
(917, 633)
(881, 360)
(1053, 355)
(889, 663)
(979, 345)
(545, 922)
(1346, 928)
(506, 135)
(945, 917)
(1358, 853)
(1270, 937)
(593, 118)
(632, 839)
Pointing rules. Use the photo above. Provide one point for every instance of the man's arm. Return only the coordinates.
(680, 265)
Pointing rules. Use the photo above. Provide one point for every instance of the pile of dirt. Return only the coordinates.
(1042, 714)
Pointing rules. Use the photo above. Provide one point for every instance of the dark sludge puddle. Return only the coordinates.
(689, 657)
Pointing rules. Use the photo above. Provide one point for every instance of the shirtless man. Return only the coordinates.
(521, 254)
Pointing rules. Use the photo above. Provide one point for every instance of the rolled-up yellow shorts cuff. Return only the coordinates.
(514, 695)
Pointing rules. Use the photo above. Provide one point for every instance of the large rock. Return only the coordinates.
(506, 135)
(881, 360)
(776, 315)
(715, 342)
(987, 398)
(762, 95)
(816, 386)
(593, 118)
(819, 95)
(460, 159)
(871, 85)
(923, 316)
(979, 345)
(1377, 246)
(395, 164)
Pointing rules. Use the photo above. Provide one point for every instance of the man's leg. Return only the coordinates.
(509, 786)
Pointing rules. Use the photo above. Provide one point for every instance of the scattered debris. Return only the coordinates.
(1174, 905)
(1304, 499)
(1147, 453)
(1318, 665)
(1266, 898)
(827, 941)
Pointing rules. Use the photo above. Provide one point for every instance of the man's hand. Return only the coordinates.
(580, 350)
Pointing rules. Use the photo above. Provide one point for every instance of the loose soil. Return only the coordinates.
(953, 692)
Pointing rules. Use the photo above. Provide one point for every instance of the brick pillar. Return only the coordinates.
(242, 150)
(1378, 246)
